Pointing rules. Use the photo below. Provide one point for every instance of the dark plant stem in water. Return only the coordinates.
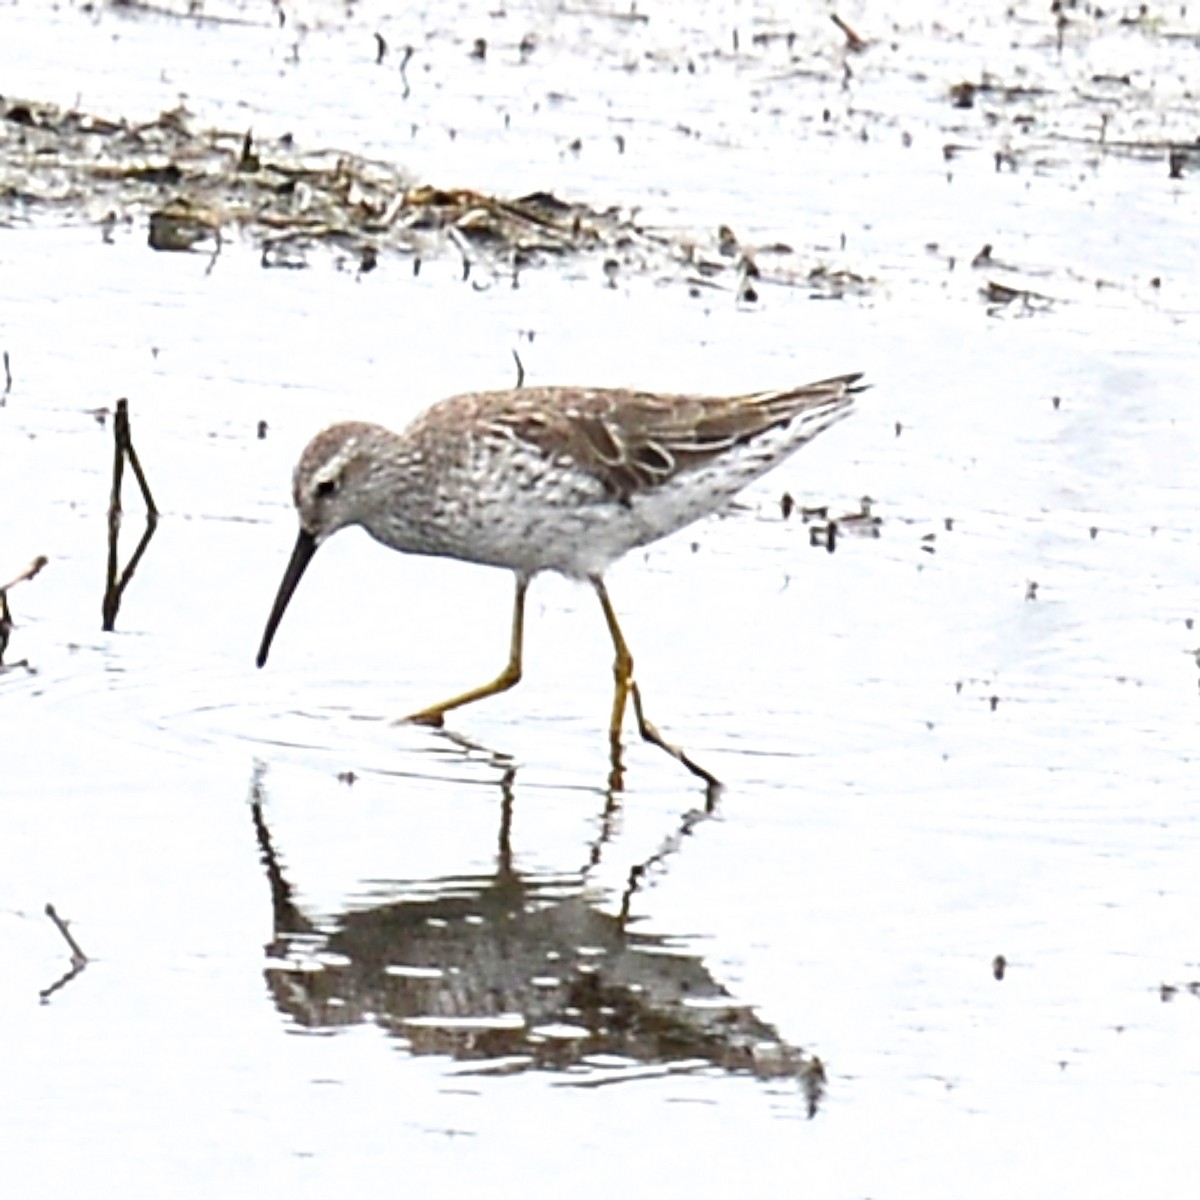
(116, 581)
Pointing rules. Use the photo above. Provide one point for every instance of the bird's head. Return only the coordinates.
(329, 485)
(330, 491)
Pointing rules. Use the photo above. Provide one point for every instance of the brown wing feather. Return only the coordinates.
(631, 441)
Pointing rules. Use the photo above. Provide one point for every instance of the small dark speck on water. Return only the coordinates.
(994, 702)
(813, 1081)
(1056, 401)
(262, 430)
(962, 95)
(999, 966)
(899, 428)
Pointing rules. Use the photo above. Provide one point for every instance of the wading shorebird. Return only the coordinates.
(549, 479)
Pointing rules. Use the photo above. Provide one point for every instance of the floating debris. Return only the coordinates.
(79, 960)
(962, 95)
(1168, 991)
(197, 188)
(824, 528)
(1000, 296)
(6, 619)
(182, 225)
(864, 522)
(853, 41)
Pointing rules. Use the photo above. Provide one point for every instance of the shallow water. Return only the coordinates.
(313, 933)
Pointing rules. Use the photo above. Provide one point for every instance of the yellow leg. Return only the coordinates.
(509, 677)
(625, 689)
(622, 665)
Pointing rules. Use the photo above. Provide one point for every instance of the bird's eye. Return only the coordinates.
(326, 487)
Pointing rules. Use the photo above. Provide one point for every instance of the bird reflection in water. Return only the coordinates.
(519, 971)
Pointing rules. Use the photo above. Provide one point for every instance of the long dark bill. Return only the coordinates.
(306, 547)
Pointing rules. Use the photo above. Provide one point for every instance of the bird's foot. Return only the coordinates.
(433, 718)
(650, 733)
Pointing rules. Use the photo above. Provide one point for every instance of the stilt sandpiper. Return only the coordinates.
(549, 479)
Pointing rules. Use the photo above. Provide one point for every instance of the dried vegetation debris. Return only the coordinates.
(192, 187)
(1066, 86)
(1093, 77)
